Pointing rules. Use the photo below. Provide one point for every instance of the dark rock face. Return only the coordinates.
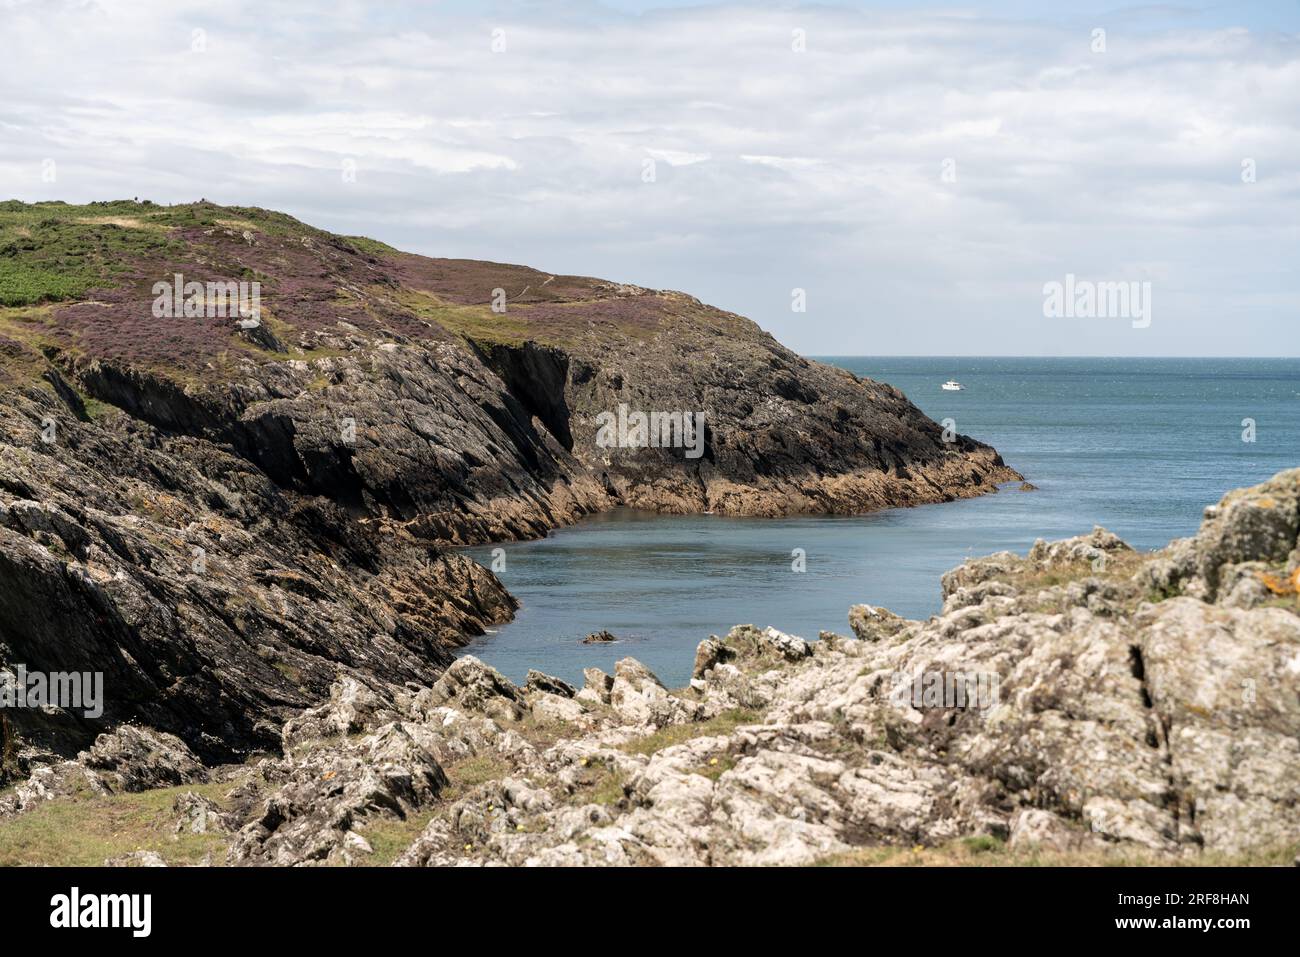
(537, 377)
(782, 434)
(1097, 722)
(224, 524)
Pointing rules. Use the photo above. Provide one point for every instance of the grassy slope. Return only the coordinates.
(77, 280)
(89, 829)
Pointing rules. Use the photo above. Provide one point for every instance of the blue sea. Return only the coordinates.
(1140, 446)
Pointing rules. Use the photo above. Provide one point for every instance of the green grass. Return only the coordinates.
(470, 772)
(608, 789)
(666, 737)
(53, 252)
(97, 410)
(715, 768)
(371, 247)
(86, 829)
(24, 332)
(390, 836)
(983, 844)
(268, 221)
(476, 323)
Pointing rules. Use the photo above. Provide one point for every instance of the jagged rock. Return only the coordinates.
(1093, 547)
(598, 637)
(554, 707)
(829, 641)
(709, 653)
(471, 685)
(139, 759)
(1245, 584)
(746, 641)
(1081, 724)
(635, 690)
(977, 571)
(638, 696)
(257, 333)
(352, 708)
(265, 505)
(354, 845)
(596, 686)
(390, 772)
(199, 815)
(1224, 684)
(538, 681)
(47, 783)
(1078, 716)
(1258, 524)
(137, 859)
(871, 623)
(1033, 827)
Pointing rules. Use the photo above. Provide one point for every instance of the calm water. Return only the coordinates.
(1137, 445)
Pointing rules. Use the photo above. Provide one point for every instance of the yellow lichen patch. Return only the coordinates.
(1280, 585)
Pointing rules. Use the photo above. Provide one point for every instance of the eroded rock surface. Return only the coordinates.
(223, 517)
(1083, 704)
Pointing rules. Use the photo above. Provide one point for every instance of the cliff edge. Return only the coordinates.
(1082, 704)
(235, 450)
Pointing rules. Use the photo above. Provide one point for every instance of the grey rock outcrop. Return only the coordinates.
(472, 686)
(224, 516)
(1061, 704)
(129, 759)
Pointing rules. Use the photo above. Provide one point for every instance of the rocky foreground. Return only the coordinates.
(223, 512)
(1142, 705)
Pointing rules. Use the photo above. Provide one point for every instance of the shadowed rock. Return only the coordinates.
(228, 516)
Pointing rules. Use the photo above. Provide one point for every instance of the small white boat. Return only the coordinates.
(952, 385)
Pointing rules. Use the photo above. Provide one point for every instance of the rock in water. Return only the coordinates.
(226, 515)
(1092, 717)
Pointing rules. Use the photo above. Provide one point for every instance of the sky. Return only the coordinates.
(915, 176)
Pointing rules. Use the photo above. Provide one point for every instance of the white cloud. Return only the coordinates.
(678, 157)
(823, 169)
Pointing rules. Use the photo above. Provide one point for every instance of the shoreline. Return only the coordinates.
(1107, 683)
(638, 522)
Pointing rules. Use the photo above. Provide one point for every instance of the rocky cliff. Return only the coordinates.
(224, 506)
(1092, 705)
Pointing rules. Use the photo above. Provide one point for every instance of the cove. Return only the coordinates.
(1137, 445)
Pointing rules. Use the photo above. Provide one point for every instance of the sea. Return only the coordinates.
(1140, 446)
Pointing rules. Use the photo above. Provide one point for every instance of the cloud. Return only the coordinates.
(922, 175)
